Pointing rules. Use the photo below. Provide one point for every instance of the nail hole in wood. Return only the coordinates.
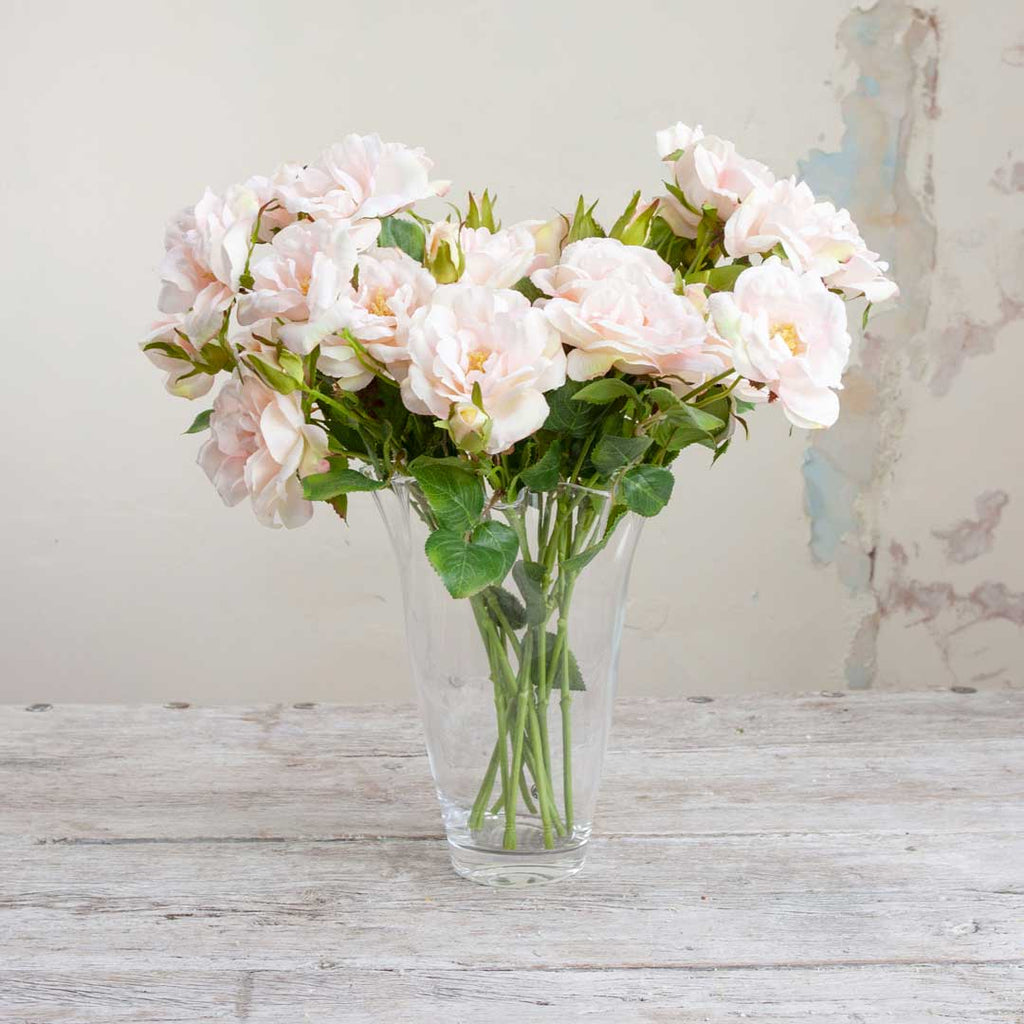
(964, 689)
(304, 705)
(700, 700)
(177, 705)
(39, 707)
(832, 693)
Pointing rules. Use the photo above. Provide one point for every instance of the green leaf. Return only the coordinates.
(292, 365)
(453, 490)
(501, 538)
(742, 406)
(627, 215)
(569, 418)
(465, 568)
(662, 398)
(201, 422)
(526, 287)
(529, 577)
(605, 390)
(407, 235)
(865, 317)
(510, 605)
(685, 425)
(718, 279)
(169, 349)
(554, 671)
(545, 474)
(646, 489)
(273, 377)
(613, 452)
(325, 486)
(583, 224)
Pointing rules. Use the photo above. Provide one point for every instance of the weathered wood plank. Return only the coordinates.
(326, 773)
(702, 902)
(826, 859)
(913, 994)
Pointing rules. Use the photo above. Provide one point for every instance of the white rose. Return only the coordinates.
(497, 259)
(815, 237)
(616, 306)
(472, 336)
(258, 447)
(710, 172)
(787, 331)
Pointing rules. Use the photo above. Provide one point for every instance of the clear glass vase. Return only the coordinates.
(516, 683)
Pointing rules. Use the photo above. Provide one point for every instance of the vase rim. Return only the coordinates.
(406, 479)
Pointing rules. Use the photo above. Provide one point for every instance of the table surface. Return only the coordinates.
(823, 858)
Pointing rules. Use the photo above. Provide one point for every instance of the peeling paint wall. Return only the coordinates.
(887, 552)
(911, 162)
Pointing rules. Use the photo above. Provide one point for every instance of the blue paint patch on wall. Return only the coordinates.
(830, 497)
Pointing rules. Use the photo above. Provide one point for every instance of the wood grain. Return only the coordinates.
(825, 859)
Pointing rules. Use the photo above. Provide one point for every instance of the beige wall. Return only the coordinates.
(889, 552)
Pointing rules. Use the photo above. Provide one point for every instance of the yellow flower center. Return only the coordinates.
(791, 336)
(476, 360)
(379, 306)
(303, 281)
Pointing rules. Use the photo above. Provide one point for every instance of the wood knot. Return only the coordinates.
(304, 705)
(700, 700)
(964, 689)
(39, 707)
(177, 705)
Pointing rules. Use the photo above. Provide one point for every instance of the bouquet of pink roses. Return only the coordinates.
(525, 387)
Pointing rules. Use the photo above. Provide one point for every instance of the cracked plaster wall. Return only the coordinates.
(886, 552)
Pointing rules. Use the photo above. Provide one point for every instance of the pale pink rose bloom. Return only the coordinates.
(259, 445)
(356, 179)
(392, 286)
(815, 237)
(497, 259)
(788, 331)
(710, 172)
(301, 274)
(616, 306)
(679, 136)
(207, 244)
(469, 335)
(188, 331)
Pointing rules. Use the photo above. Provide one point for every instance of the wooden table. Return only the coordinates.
(826, 858)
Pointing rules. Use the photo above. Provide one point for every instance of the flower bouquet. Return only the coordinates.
(513, 397)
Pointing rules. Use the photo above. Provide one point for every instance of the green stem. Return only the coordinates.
(518, 736)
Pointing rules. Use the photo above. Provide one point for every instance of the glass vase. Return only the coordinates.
(516, 683)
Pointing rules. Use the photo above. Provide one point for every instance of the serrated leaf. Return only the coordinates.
(647, 489)
(511, 607)
(465, 568)
(325, 486)
(684, 425)
(555, 671)
(613, 452)
(545, 473)
(454, 492)
(500, 538)
(201, 422)
(407, 235)
(529, 577)
(605, 390)
(566, 417)
(662, 398)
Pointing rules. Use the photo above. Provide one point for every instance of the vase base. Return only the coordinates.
(479, 857)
